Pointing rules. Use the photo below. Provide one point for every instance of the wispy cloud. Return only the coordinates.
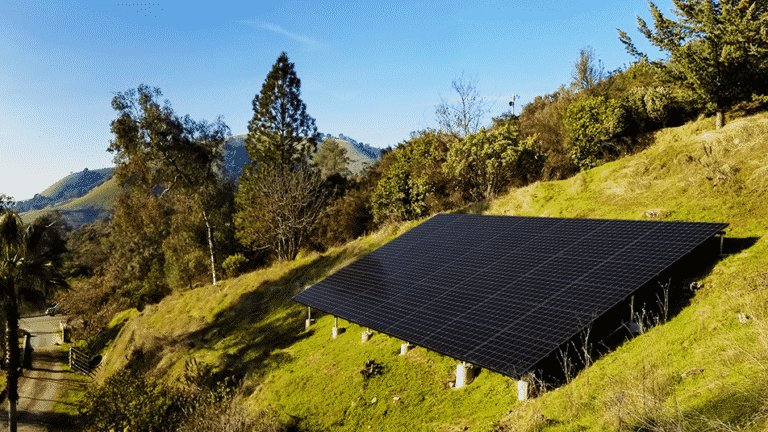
(277, 29)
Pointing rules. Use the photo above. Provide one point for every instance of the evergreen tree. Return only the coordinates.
(717, 49)
(279, 196)
(332, 159)
(280, 132)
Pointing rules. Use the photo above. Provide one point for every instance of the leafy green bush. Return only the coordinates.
(400, 194)
(126, 401)
(485, 162)
(594, 126)
(544, 118)
(234, 264)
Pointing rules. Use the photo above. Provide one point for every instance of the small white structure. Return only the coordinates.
(463, 374)
(366, 335)
(309, 320)
(335, 331)
(404, 348)
(523, 390)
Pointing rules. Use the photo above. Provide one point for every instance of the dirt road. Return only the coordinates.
(40, 386)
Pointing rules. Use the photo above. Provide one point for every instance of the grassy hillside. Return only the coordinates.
(703, 370)
(83, 210)
(83, 180)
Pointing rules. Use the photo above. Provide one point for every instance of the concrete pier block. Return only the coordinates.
(463, 374)
(308, 323)
(523, 390)
(404, 348)
(366, 336)
(335, 332)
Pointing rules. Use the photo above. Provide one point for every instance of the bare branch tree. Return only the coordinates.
(587, 70)
(465, 116)
(283, 206)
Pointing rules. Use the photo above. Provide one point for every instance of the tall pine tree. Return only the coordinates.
(280, 132)
(281, 139)
(717, 49)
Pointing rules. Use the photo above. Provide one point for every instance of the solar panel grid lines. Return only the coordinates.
(466, 285)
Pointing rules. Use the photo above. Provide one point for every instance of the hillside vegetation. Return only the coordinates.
(702, 370)
(87, 196)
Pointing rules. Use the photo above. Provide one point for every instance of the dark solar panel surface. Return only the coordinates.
(502, 292)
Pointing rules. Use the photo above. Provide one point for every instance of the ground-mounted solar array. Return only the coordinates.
(502, 292)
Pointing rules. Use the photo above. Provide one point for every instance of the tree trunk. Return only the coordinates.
(12, 359)
(719, 119)
(210, 246)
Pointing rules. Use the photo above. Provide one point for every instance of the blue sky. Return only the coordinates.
(372, 70)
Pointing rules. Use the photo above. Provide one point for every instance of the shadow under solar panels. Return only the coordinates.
(503, 292)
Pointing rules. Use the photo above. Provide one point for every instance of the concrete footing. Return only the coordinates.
(308, 323)
(463, 374)
(335, 332)
(404, 348)
(523, 390)
(366, 336)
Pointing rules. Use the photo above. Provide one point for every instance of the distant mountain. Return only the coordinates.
(70, 187)
(360, 155)
(88, 195)
(366, 150)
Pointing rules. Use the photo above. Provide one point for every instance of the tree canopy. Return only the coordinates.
(155, 147)
(280, 132)
(716, 49)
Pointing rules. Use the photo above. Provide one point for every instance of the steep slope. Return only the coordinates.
(72, 186)
(705, 369)
(94, 205)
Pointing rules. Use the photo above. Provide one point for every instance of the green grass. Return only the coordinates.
(703, 370)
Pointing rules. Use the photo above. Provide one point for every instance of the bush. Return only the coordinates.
(400, 194)
(594, 126)
(234, 264)
(126, 401)
(543, 118)
(485, 162)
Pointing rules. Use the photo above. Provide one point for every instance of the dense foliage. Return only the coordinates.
(717, 49)
(332, 159)
(127, 401)
(594, 125)
(484, 163)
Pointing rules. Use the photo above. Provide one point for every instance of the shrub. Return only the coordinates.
(400, 194)
(234, 264)
(594, 126)
(485, 162)
(126, 401)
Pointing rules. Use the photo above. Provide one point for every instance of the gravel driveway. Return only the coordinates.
(40, 387)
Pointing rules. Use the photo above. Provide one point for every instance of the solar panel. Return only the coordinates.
(502, 292)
